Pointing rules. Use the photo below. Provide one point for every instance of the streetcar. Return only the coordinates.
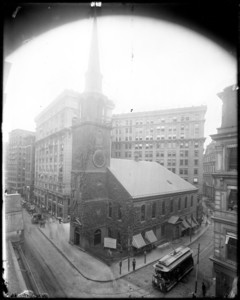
(171, 268)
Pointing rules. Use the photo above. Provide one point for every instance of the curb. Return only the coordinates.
(70, 262)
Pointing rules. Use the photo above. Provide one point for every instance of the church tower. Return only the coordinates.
(91, 143)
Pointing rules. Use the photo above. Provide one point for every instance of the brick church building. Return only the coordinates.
(133, 202)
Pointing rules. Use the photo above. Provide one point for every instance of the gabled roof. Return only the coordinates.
(174, 219)
(144, 178)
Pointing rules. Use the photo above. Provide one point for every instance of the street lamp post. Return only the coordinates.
(197, 269)
(191, 231)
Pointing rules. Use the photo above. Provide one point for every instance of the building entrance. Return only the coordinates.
(76, 236)
(97, 237)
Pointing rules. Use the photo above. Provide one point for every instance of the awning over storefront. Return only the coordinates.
(138, 241)
(191, 223)
(150, 236)
(174, 220)
(185, 224)
(195, 221)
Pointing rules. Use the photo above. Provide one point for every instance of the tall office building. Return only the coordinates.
(226, 202)
(53, 156)
(173, 137)
(209, 161)
(19, 157)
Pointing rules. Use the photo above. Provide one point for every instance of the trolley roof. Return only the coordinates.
(171, 260)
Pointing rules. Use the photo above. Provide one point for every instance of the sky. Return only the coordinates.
(147, 64)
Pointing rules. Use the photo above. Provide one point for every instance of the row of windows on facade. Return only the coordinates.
(49, 150)
(158, 129)
(54, 199)
(182, 162)
(208, 169)
(158, 145)
(158, 120)
(53, 187)
(50, 159)
(52, 177)
(151, 146)
(151, 138)
(50, 168)
(153, 208)
(209, 158)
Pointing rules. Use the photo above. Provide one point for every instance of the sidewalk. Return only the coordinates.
(94, 269)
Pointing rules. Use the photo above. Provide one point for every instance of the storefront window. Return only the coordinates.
(232, 199)
(231, 248)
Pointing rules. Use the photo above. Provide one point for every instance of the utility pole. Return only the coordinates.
(128, 248)
(191, 231)
(197, 269)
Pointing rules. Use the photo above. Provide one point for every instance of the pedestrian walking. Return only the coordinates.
(134, 264)
(203, 289)
(145, 256)
(120, 267)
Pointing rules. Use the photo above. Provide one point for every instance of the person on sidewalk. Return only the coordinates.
(203, 289)
(134, 264)
(145, 256)
(120, 267)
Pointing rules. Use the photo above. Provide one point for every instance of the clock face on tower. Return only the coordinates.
(99, 159)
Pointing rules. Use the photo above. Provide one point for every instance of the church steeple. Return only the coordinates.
(93, 76)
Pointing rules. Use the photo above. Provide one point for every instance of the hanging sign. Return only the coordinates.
(110, 243)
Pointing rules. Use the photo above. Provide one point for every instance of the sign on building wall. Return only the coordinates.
(110, 243)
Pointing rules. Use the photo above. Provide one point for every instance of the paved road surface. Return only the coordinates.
(55, 276)
(143, 277)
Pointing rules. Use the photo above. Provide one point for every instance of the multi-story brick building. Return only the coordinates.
(53, 155)
(20, 155)
(126, 200)
(209, 161)
(29, 167)
(172, 137)
(226, 202)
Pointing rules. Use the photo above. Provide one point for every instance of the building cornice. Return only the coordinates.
(54, 134)
(162, 196)
(225, 221)
(164, 111)
(225, 174)
(223, 264)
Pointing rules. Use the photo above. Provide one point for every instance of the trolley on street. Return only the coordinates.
(171, 268)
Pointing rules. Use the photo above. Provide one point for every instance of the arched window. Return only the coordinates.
(171, 205)
(143, 213)
(154, 208)
(185, 202)
(163, 208)
(97, 237)
(191, 200)
(119, 212)
(109, 232)
(179, 204)
(110, 210)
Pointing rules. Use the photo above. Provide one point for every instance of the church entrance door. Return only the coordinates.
(76, 236)
(97, 237)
